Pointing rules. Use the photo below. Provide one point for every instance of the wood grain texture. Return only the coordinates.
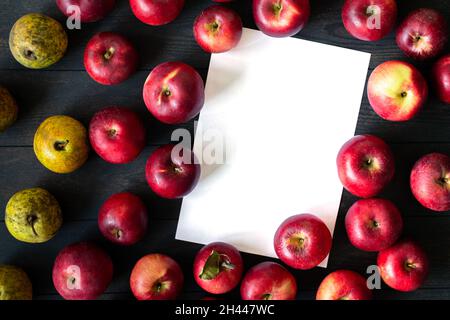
(41, 94)
(65, 88)
(38, 259)
(82, 192)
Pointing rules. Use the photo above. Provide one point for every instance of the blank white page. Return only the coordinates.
(284, 107)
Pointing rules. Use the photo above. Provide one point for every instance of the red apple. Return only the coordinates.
(397, 91)
(343, 285)
(117, 134)
(218, 268)
(281, 18)
(156, 277)
(123, 218)
(217, 29)
(404, 266)
(109, 58)
(302, 241)
(423, 34)
(441, 75)
(171, 174)
(373, 224)
(369, 20)
(156, 12)
(82, 271)
(90, 10)
(268, 281)
(365, 165)
(430, 181)
(174, 92)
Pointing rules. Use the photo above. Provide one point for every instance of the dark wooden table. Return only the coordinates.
(65, 88)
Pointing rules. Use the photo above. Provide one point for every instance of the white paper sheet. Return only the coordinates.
(284, 108)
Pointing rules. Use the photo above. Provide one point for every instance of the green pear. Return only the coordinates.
(14, 284)
(8, 109)
(37, 41)
(33, 215)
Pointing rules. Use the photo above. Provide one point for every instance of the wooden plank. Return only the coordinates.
(175, 40)
(421, 294)
(384, 294)
(81, 193)
(44, 93)
(431, 233)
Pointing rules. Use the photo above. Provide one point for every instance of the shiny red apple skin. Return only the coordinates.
(156, 12)
(423, 34)
(156, 277)
(123, 219)
(117, 134)
(110, 58)
(82, 271)
(302, 241)
(174, 92)
(228, 278)
(217, 29)
(397, 91)
(358, 17)
(430, 181)
(404, 266)
(292, 17)
(441, 77)
(365, 165)
(172, 176)
(373, 224)
(343, 285)
(268, 281)
(90, 10)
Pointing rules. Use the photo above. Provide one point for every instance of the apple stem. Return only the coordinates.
(409, 266)
(297, 242)
(371, 10)
(31, 219)
(267, 296)
(109, 53)
(117, 233)
(226, 263)
(167, 92)
(158, 286)
(368, 163)
(375, 224)
(177, 169)
(277, 7)
(404, 94)
(60, 145)
(112, 132)
(215, 26)
(443, 181)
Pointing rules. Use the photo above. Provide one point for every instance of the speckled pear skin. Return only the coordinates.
(14, 284)
(33, 215)
(8, 109)
(37, 41)
(60, 144)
